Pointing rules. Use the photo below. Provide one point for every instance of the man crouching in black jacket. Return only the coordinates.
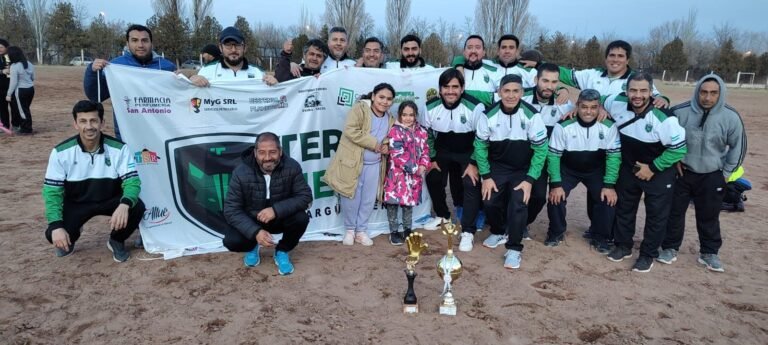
(267, 195)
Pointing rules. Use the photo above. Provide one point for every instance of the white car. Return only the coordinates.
(191, 64)
(77, 61)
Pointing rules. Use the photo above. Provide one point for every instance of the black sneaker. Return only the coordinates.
(618, 254)
(587, 234)
(643, 264)
(60, 253)
(601, 247)
(396, 238)
(138, 243)
(554, 241)
(119, 253)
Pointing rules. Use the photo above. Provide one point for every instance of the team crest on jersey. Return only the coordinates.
(553, 112)
(486, 78)
(648, 128)
(601, 135)
(463, 119)
(107, 161)
(624, 87)
(522, 124)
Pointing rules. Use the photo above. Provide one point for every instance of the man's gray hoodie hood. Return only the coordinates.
(715, 138)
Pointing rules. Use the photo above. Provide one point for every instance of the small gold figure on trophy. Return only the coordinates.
(449, 268)
(415, 247)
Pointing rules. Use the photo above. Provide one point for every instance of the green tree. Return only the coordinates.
(762, 66)
(65, 33)
(558, 50)
(105, 39)
(206, 33)
(672, 58)
(593, 55)
(324, 33)
(17, 26)
(727, 61)
(433, 51)
(252, 54)
(298, 47)
(170, 35)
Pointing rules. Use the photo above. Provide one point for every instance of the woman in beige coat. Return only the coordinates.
(357, 169)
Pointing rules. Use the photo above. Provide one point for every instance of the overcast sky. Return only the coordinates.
(630, 19)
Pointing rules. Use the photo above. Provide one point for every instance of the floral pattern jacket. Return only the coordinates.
(408, 150)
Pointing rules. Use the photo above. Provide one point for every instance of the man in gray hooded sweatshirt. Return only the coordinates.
(717, 144)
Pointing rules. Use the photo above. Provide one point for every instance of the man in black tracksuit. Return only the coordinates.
(267, 195)
(717, 145)
(314, 54)
(4, 81)
(652, 142)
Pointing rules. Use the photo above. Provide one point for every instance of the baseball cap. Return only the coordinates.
(231, 33)
(532, 55)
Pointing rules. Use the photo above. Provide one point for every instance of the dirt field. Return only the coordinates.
(343, 295)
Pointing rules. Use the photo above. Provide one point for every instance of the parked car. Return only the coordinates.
(191, 64)
(76, 61)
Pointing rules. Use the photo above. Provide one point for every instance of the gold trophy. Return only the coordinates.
(449, 268)
(415, 246)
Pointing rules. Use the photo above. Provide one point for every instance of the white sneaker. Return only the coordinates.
(349, 238)
(467, 240)
(434, 224)
(362, 238)
(494, 241)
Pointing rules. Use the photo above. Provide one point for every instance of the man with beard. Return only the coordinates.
(507, 62)
(233, 64)
(450, 122)
(652, 141)
(337, 46)
(104, 183)
(138, 54)
(718, 143)
(373, 55)
(542, 97)
(481, 77)
(314, 55)
(267, 195)
(410, 54)
(510, 149)
(583, 150)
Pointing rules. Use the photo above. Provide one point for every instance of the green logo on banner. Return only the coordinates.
(346, 97)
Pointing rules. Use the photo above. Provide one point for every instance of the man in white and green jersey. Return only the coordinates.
(480, 75)
(88, 175)
(507, 61)
(510, 149)
(612, 79)
(583, 150)
(652, 141)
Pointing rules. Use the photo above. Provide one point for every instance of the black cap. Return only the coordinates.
(231, 33)
(532, 55)
(211, 49)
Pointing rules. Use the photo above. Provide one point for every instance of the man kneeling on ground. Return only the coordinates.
(104, 183)
(267, 195)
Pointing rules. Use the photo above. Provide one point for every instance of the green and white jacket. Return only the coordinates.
(75, 176)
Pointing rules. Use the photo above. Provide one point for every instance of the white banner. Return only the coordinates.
(188, 139)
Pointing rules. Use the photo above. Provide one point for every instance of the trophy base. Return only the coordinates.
(410, 308)
(449, 310)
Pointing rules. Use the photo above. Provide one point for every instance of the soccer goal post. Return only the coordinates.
(745, 78)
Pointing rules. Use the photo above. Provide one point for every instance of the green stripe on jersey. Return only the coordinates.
(67, 144)
(660, 114)
(568, 122)
(608, 122)
(476, 96)
(113, 143)
(528, 109)
(493, 111)
(434, 103)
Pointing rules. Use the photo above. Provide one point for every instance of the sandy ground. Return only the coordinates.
(343, 295)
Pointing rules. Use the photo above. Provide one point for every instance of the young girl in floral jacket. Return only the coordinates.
(408, 162)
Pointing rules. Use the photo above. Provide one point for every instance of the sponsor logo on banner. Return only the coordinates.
(313, 101)
(156, 216)
(146, 157)
(213, 104)
(259, 104)
(431, 93)
(147, 105)
(347, 97)
(402, 96)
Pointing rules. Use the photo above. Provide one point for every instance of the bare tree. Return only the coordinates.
(349, 14)
(494, 18)
(38, 16)
(421, 27)
(172, 7)
(398, 12)
(724, 32)
(200, 10)
(270, 38)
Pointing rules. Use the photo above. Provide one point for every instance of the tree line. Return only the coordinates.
(54, 32)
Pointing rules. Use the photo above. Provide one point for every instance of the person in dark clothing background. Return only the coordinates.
(314, 54)
(5, 68)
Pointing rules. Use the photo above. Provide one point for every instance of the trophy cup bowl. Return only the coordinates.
(449, 268)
